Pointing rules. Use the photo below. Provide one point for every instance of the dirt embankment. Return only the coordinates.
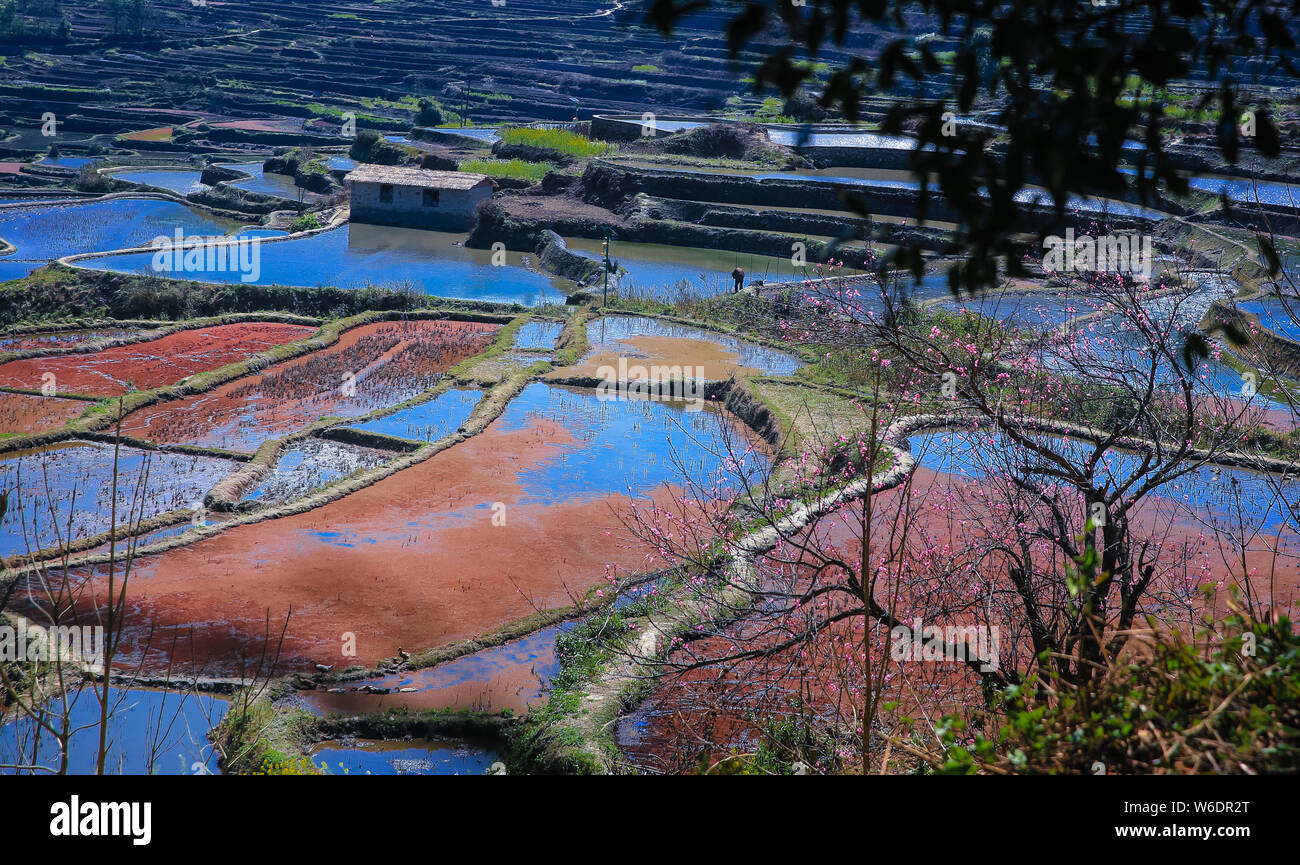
(685, 209)
(555, 256)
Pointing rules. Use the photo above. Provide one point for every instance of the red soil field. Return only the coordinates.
(718, 363)
(411, 561)
(24, 413)
(260, 125)
(390, 362)
(161, 133)
(111, 372)
(712, 711)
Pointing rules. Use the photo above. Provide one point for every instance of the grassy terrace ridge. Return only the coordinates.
(608, 664)
(65, 295)
(611, 662)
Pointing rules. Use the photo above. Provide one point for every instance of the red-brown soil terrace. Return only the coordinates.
(115, 371)
(716, 362)
(25, 413)
(697, 717)
(369, 367)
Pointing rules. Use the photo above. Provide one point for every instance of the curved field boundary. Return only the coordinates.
(151, 194)
(1275, 345)
(804, 354)
(587, 739)
(28, 391)
(337, 219)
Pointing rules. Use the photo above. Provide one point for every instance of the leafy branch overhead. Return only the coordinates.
(1073, 82)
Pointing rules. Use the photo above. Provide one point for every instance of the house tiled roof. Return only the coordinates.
(419, 177)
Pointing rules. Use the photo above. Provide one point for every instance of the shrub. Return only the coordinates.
(428, 114)
(90, 180)
(1231, 709)
(306, 222)
(370, 146)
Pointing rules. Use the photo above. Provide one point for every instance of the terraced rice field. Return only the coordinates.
(416, 559)
(64, 492)
(29, 413)
(140, 366)
(371, 367)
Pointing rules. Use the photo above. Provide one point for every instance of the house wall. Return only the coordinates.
(455, 206)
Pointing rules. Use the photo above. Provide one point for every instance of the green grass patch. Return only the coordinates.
(513, 169)
(559, 140)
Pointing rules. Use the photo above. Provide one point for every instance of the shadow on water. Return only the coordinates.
(79, 476)
(414, 757)
(150, 732)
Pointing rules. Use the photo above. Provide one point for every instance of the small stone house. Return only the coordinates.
(416, 197)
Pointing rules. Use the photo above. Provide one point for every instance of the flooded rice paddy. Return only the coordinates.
(52, 231)
(29, 413)
(150, 732)
(61, 338)
(538, 334)
(358, 255)
(372, 366)
(268, 183)
(1280, 315)
(446, 549)
(143, 365)
(415, 757)
(427, 421)
(1210, 490)
(1026, 309)
(510, 676)
(665, 272)
(654, 339)
(180, 181)
(515, 675)
(310, 465)
(73, 483)
(68, 161)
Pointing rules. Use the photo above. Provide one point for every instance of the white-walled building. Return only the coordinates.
(416, 197)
